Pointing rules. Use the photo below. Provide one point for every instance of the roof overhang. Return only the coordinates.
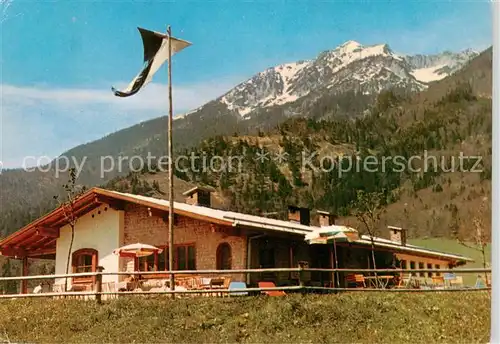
(39, 237)
(387, 245)
(268, 227)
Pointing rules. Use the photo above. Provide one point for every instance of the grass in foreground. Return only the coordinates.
(345, 318)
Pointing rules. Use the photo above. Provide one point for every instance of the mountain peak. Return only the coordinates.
(356, 50)
(350, 46)
(470, 51)
(350, 66)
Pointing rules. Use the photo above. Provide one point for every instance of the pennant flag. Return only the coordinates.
(155, 54)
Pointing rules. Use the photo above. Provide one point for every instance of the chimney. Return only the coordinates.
(199, 195)
(397, 234)
(299, 215)
(325, 218)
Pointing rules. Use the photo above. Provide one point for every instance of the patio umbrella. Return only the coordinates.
(332, 234)
(136, 250)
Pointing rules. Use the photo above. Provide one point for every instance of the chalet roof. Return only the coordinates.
(39, 237)
(381, 242)
(231, 218)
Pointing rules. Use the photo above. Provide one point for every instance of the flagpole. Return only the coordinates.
(336, 263)
(170, 169)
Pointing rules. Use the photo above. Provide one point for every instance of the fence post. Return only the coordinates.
(25, 272)
(98, 284)
(301, 278)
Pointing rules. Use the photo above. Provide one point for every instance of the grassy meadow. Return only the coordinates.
(454, 317)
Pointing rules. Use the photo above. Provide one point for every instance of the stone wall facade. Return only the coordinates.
(142, 227)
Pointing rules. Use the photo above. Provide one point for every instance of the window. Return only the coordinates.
(429, 266)
(162, 260)
(84, 260)
(147, 263)
(437, 266)
(412, 265)
(266, 258)
(421, 266)
(180, 258)
(223, 257)
(404, 265)
(184, 259)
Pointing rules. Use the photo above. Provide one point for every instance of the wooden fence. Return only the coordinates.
(97, 291)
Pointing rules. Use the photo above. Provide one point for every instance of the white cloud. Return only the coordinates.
(38, 121)
(153, 97)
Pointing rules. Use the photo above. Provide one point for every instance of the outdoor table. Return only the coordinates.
(77, 287)
(129, 285)
(379, 281)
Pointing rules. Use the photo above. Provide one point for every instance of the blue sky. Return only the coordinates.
(59, 59)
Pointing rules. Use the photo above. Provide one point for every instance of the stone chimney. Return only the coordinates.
(299, 215)
(397, 234)
(199, 195)
(325, 218)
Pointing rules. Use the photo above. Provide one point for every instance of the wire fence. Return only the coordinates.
(354, 280)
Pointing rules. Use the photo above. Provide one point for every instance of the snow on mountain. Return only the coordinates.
(429, 74)
(428, 68)
(349, 67)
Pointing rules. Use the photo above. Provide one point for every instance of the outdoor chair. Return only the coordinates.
(186, 282)
(211, 286)
(270, 292)
(427, 281)
(449, 278)
(438, 281)
(357, 280)
(215, 284)
(78, 288)
(198, 284)
(205, 281)
(57, 288)
(203, 284)
(111, 288)
(457, 282)
(226, 281)
(401, 281)
(195, 282)
(236, 286)
(481, 283)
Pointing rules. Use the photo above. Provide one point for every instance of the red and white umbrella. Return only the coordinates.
(136, 250)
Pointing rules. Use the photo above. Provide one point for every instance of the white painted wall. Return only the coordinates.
(102, 232)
